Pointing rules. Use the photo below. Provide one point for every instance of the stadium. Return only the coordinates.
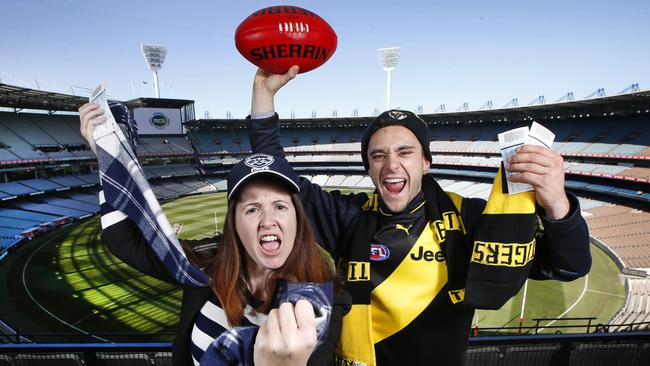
(66, 288)
(66, 300)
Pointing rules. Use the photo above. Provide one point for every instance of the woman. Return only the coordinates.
(266, 238)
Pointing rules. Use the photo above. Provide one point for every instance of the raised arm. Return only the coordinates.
(264, 134)
(563, 251)
(120, 235)
(328, 212)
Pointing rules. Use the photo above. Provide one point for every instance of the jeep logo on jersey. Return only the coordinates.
(428, 255)
(258, 161)
(159, 120)
(379, 252)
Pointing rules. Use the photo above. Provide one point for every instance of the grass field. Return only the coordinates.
(68, 283)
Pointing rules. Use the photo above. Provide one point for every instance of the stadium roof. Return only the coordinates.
(620, 105)
(623, 104)
(157, 103)
(22, 98)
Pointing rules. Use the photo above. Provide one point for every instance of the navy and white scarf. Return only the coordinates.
(125, 188)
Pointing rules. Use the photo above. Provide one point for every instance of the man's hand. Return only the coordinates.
(91, 115)
(288, 336)
(544, 170)
(265, 85)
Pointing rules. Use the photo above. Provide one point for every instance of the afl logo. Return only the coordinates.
(379, 252)
(258, 161)
(159, 120)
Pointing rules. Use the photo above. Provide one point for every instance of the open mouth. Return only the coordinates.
(394, 185)
(270, 245)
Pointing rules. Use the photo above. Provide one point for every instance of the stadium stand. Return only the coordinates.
(69, 181)
(624, 230)
(606, 156)
(40, 184)
(15, 188)
(636, 311)
(643, 173)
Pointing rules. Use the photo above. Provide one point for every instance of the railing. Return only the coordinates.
(628, 348)
(577, 326)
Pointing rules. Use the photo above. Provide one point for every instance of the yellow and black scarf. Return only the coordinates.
(485, 267)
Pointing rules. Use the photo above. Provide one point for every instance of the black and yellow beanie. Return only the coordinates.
(396, 117)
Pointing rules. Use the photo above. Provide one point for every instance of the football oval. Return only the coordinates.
(278, 37)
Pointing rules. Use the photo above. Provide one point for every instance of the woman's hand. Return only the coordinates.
(91, 115)
(265, 85)
(288, 336)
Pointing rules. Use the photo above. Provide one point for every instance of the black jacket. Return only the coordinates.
(562, 254)
(564, 246)
(124, 240)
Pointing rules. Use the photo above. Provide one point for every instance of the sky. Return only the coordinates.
(452, 52)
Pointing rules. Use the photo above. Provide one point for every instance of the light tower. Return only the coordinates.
(388, 57)
(155, 56)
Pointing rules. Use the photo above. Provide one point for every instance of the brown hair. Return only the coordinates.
(305, 263)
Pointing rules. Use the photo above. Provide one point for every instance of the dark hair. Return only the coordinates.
(305, 263)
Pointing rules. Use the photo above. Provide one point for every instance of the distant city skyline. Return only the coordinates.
(451, 52)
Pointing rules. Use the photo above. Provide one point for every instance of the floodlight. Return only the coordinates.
(155, 56)
(388, 57)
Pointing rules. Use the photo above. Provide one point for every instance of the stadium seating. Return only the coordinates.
(27, 216)
(637, 173)
(51, 209)
(66, 131)
(15, 188)
(603, 354)
(6, 360)
(636, 308)
(26, 129)
(544, 355)
(92, 178)
(625, 231)
(643, 357)
(482, 356)
(68, 181)
(163, 146)
(6, 243)
(41, 184)
(25, 133)
(162, 359)
(57, 359)
(122, 359)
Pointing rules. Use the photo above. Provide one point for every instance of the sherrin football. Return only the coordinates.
(278, 37)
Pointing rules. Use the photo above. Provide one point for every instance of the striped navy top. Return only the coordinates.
(211, 321)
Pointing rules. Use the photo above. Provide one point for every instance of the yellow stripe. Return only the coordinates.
(398, 300)
(500, 203)
(356, 340)
(419, 206)
(456, 199)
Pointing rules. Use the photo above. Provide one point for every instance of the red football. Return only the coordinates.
(278, 37)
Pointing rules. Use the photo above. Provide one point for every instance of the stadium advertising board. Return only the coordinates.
(158, 121)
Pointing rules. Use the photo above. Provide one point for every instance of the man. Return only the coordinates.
(410, 251)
